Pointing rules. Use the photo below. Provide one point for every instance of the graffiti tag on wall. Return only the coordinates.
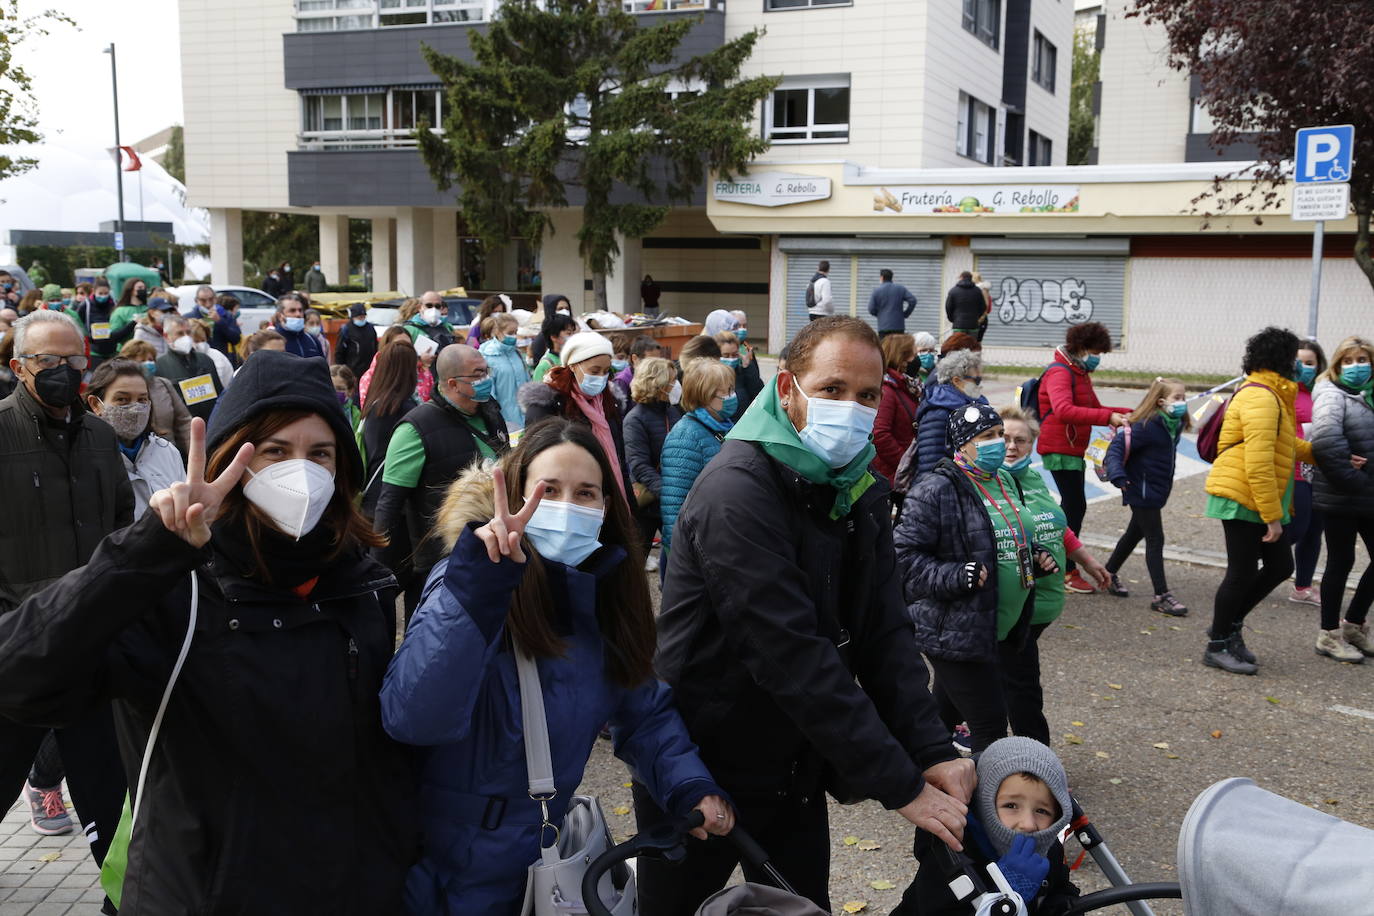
(1051, 301)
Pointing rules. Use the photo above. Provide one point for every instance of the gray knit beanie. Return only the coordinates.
(1020, 755)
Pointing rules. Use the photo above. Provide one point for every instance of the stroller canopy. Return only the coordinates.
(1243, 851)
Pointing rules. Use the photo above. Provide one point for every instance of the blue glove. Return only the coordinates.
(1024, 868)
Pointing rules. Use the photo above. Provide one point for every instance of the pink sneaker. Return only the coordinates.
(1305, 596)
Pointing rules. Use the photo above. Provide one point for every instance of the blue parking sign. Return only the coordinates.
(1324, 153)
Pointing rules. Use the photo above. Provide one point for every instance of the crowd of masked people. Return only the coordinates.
(198, 630)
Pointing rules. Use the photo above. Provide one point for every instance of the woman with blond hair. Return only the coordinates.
(1343, 491)
(708, 400)
(646, 427)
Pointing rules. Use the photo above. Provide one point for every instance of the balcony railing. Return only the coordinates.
(338, 15)
(357, 139)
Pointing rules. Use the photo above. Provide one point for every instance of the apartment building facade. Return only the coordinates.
(308, 106)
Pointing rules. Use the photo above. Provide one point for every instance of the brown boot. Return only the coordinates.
(1330, 644)
(1357, 635)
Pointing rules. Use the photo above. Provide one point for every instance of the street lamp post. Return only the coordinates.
(119, 154)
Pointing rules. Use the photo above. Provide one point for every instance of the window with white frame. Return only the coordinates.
(1039, 149)
(1044, 59)
(984, 19)
(367, 120)
(802, 4)
(808, 110)
(976, 129)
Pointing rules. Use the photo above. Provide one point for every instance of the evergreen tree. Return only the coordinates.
(579, 93)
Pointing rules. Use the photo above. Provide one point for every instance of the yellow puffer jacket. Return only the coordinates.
(1258, 447)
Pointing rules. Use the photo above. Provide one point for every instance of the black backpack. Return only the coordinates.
(811, 295)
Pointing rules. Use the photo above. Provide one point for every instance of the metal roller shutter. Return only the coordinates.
(1036, 297)
(801, 267)
(919, 273)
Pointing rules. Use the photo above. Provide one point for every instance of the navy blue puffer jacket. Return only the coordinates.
(1146, 478)
(943, 527)
(932, 424)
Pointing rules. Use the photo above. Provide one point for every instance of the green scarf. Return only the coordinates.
(1171, 423)
(767, 424)
(1368, 392)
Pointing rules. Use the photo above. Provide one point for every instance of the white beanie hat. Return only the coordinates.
(584, 346)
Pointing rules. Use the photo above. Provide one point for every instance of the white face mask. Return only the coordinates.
(430, 315)
(202, 346)
(184, 344)
(293, 494)
(675, 393)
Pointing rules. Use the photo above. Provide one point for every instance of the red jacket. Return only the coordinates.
(1069, 409)
(895, 427)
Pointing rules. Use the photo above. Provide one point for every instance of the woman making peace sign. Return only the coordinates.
(247, 606)
(553, 567)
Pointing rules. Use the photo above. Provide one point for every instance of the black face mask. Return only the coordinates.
(57, 387)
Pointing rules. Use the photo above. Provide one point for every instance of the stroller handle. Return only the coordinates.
(1163, 890)
(662, 842)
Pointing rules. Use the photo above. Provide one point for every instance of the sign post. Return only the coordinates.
(119, 241)
(1322, 161)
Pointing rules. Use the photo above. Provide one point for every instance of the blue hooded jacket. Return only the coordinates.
(932, 424)
(508, 373)
(452, 689)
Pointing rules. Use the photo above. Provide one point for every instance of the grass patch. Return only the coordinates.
(1142, 379)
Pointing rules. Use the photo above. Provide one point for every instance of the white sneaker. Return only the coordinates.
(1330, 644)
(651, 563)
(1357, 635)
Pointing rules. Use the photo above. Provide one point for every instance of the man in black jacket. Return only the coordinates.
(191, 371)
(459, 424)
(357, 342)
(784, 634)
(965, 305)
(65, 488)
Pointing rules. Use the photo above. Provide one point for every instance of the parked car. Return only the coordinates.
(247, 296)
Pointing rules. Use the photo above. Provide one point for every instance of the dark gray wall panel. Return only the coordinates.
(391, 56)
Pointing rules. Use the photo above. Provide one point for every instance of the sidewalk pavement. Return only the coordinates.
(45, 875)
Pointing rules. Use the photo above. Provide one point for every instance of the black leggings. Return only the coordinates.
(46, 772)
(1253, 570)
(1072, 501)
(1149, 524)
(1340, 560)
(1305, 533)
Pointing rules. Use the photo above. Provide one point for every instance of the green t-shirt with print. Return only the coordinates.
(1047, 523)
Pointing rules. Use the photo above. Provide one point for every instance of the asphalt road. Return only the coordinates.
(1121, 680)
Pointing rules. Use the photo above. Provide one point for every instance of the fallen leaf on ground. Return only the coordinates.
(1073, 739)
(1331, 801)
(54, 856)
(881, 885)
(1273, 700)
(1170, 756)
(1077, 724)
(851, 841)
(627, 785)
(869, 846)
(1216, 734)
(1072, 626)
(1114, 686)
(1104, 755)
(622, 809)
(855, 906)
(1175, 628)
(1162, 745)
(1114, 781)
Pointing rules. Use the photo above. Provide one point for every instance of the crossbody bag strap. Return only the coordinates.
(538, 754)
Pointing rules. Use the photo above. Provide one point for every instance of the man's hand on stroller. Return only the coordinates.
(938, 814)
(958, 777)
(719, 817)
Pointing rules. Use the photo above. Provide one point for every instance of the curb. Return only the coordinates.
(1211, 559)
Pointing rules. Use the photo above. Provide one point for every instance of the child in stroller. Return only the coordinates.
(1018, 818)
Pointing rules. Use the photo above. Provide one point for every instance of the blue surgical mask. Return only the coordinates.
(619, 365)
(731, 361)
(927, 360)
(742, 334)
(565, 532)
(729, 405)
(359, 322)
(296, 324)
(481, 389)
(508, 341)
(1177, 409)
(1017, 467)
(592, 385)
(315, 330)
(1355, 375)
(1090, 363)
(991, 455)
(149, 368)
(1306, 375)
(836, 431)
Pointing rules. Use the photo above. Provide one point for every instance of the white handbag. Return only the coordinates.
(554, 884)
